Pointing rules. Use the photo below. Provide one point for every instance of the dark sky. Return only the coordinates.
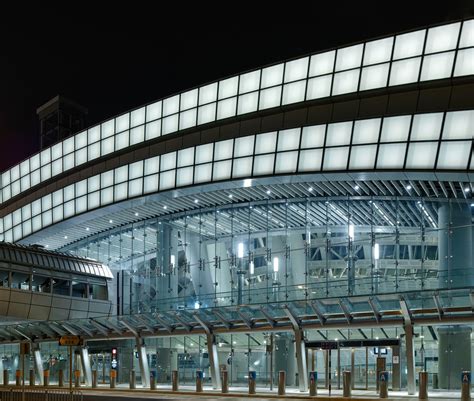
(120, 58)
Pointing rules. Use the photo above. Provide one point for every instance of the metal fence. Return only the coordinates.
(40, 395)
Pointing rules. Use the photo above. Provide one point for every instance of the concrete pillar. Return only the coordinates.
(300, 348)
(454, 355)
(200, 274)
(86, 366)
(143, 363)
(213, 361)
(455, 246)
(410, 359)
(39, 366)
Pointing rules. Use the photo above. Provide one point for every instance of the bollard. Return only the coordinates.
(152, 382)
(423, 383)
(252, 381)
(18, 377)
(174, 380)
(346, 384)
(60, 378)
(94, 379)
(466, 386)
(225, 382)
(113, 378)
(281, 382)
(32, 377)
(199, 377)
(46, 378)
(132, 380)
(383, 384)
(313, 380)
(77, 378)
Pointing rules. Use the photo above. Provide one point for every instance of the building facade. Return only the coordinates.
(314, 214)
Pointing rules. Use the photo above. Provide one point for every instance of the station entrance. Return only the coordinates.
(363, 358)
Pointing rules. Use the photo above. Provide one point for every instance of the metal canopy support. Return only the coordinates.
(345, 310)
(271, 321)
(410, 349)
(212, 352)
(143, 362)
(86, 365)
(244, 318)
(300, 346)
(222, 319)
(439, 307)
(166, 326)
(39, 365)
(183, 323)
(375, 309)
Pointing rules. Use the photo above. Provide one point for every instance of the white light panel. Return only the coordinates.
(81, 186)
(319, 87)
(45, 157)
(152, 165)
(322, 63)
(442, 38)
(296, 69)
(345, 82)
(107, 129)
(35, 160)
(464, 63)
(405, 71)
(184, 176)
(56, 167)
(106, 197)
(93, 151)
(409, 44)
(421, 155)
(170, 105)
(121, 124)
(339, 134)
(313, 136)
(391, 156)
(366, 131)
(242, 167)
(170, 124)
(222, 170)
(135, 187)
(45, 172)
(187, 119)
(286, 162)
(207, 113)
(249, 82)
(137, 135)
(459, 125)
(120, 191)
(248, 103)
(106, 147)
(208, 93)
(437, 66)
(223, 149)
(454, 155)
(153, 111)
(107, 179)
(378, 51)
(294, 92)
(226, 108)
(349, 57)
(395, 129)
(263, 165)
(135, 170)
(168, 161)
(265, 143)
(121, 140)
(204, 153)
(336, 158)
(426, 126)
(186, 157)
(189, 99)
(272, 76)
(363, 157)
(150, 183)
(153, 130)
(374, 77)
(167, 180)
(137, 117)
(270, 98)
(289, 139)
(69, 192)
(244, 146)
(467, 35)
(228, 87)
(203, 173)
(56, 151)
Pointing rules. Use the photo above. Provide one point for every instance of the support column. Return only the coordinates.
(410, 359)
(39, 366)
(396, 368)
(143, 362)
(301, 360)
(86, 366)
(213, 361)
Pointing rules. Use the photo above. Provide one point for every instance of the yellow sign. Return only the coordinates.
(70, 340)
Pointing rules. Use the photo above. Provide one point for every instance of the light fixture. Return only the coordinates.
(408, 187)
(472, 204)
(172, 260)
(376, 338)
(87, 228)
(247, 182)
(336, 339)
(47, 246)
(240, 250)
(356, 187)
(351, 232)
(65, 237)
(251, 267)
(196, 200)
(467, 189)
(376, 252)
(196, 305)
(165, 207)
(111, 221)
(276, 263)
(230, 196)
(310, 189)
(268, 192)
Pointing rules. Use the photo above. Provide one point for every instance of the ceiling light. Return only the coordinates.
(87, 228)
(356, 187)
(196, 200)
(467, 189)
(310, 189)
(230, 196)
(268, 192)
(111, 221)
(65, 237)
(136, 214)
(165, 207)
(247, 183)
(408, 187)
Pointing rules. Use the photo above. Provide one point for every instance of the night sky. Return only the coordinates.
(117, 59)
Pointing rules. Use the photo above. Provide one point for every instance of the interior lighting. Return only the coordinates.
(376, 252)
(251, 267)
(351, 232)
(240, 250)
(276, 264)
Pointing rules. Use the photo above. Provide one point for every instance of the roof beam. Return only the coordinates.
(406, 313)
(244, 318)
(222, 319)
(374, 308)
(265, 313)
(130, 328)
(439, 307)
(345, 310)
(207, 328)
(315, 306)
(165, 325)
(295, 322)
(183, 323)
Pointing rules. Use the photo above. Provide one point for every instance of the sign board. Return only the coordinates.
(395, 359)
(466, 377)
(383, 376)
(70, 340)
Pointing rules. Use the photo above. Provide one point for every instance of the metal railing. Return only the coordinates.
(40, 395)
